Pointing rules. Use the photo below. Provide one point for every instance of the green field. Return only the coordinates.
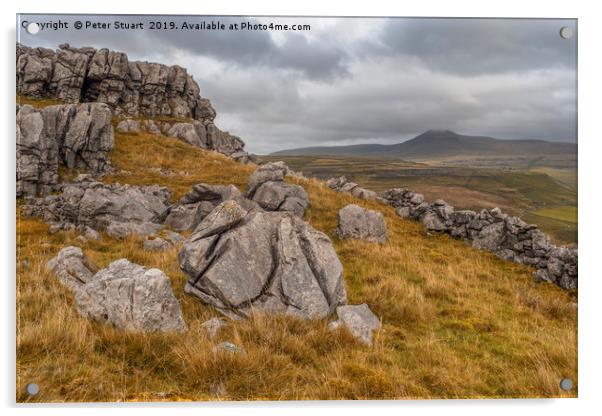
(544, 195)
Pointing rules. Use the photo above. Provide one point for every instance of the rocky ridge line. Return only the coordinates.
(132, 90)
(509, 238)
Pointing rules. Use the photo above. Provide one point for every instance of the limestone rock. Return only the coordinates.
(181, 217)
(155, 243)
(356, 222)
(242, 261)
(118, 209)
(509, 238)
(200, 201)
(131, 297)
(89, 75)
(281, 196)
(341, 184)
(359, 320)
(71, 267)
(75, 136)
(269, 172)
(129, 89)
(128, 126)
(266, 186)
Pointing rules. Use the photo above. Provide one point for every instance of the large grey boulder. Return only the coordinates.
(71, 267)
(118, 209)
(74, 136)
(359, 320)
(358, 223)
(181, 217)
(131, 297)
(241, 261)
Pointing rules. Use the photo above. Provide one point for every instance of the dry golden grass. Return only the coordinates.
(37, 102)
(457, 323)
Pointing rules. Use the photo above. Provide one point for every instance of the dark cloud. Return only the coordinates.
(363, 80)
(476, 46)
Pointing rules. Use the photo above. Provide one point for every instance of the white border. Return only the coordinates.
(589, 198)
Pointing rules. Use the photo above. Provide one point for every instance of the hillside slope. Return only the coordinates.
(442, 143)
(454, 319)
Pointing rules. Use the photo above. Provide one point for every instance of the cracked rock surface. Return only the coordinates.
(117, 209)
(266, 186)
(241, 260)
(358, 223)
(124, 294)
(74, 136)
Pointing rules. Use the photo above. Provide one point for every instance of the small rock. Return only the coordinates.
(359, 320)
(71, 267)
(356, 222)
(154, 243)
(229, 347)
(403, 212)
(128, 126)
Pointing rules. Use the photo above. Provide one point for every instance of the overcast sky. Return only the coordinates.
(362, 80)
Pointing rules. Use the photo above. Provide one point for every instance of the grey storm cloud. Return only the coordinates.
(475, 46)
(358, 80)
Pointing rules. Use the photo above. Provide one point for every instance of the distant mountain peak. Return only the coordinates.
(438, 133)
(441, 144)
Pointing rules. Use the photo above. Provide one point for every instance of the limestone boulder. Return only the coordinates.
(242, 261)
(358, 223)
(131, 297)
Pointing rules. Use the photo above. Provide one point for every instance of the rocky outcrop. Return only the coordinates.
(358, 223)
(358, 320)
(266, 186)
(243, 260)
(124, 294)
(117, 209)
(341, 184)
(74, 136)
(140, 89)
(134, 88)
(508, 237)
